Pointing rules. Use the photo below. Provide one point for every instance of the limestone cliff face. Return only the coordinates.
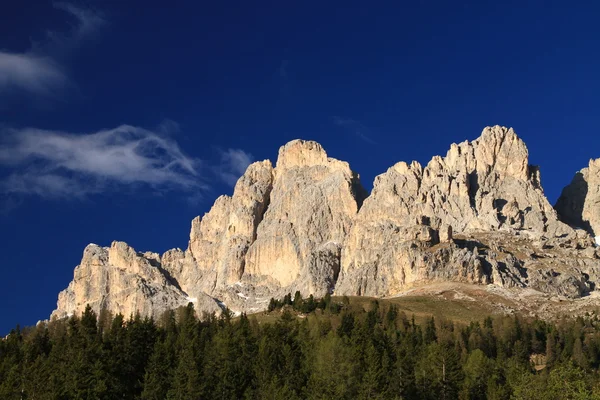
(312, 206)
(480, 186)
(579, 203)
(219, 241)
(282, 229)
(121, 280)
(477, 215)
(485, 184)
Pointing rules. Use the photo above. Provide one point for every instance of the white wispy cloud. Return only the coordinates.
(62, 165)
(38, 70)
(233, 165)
(35, 74)
(355, 127)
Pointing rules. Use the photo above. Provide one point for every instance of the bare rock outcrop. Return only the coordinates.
(215, 257)
(579, 202)
(121, 280)
(480, 186)
(312, 206)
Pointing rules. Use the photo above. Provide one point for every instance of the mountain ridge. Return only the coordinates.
(478, 215)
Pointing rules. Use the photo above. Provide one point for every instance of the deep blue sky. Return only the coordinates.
(225, 81)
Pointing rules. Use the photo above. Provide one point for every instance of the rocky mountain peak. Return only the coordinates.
(312, 204)
(94, 255)
(500, 150)
(301, 153)
(480, 186)
(121, 280)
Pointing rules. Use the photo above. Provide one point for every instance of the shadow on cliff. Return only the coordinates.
(569, 205)
(166, 273)
(358, 190)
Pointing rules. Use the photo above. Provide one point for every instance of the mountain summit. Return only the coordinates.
(478, 215)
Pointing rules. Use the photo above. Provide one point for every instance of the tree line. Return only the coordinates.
(301, 349)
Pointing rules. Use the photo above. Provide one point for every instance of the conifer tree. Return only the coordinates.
(477, 371)
(159, 373)
(430, 335)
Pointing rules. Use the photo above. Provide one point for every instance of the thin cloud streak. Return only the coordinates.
(355, 127)
(62, 165)
(30, 72)
(38, 70)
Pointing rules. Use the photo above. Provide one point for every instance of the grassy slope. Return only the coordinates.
(463, 303)
(421, 306)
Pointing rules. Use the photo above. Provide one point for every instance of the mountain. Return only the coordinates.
(476, 216)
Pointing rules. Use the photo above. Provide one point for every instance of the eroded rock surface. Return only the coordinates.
(485, 185)
(119, 279)
(220, 240)
(312, 206)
